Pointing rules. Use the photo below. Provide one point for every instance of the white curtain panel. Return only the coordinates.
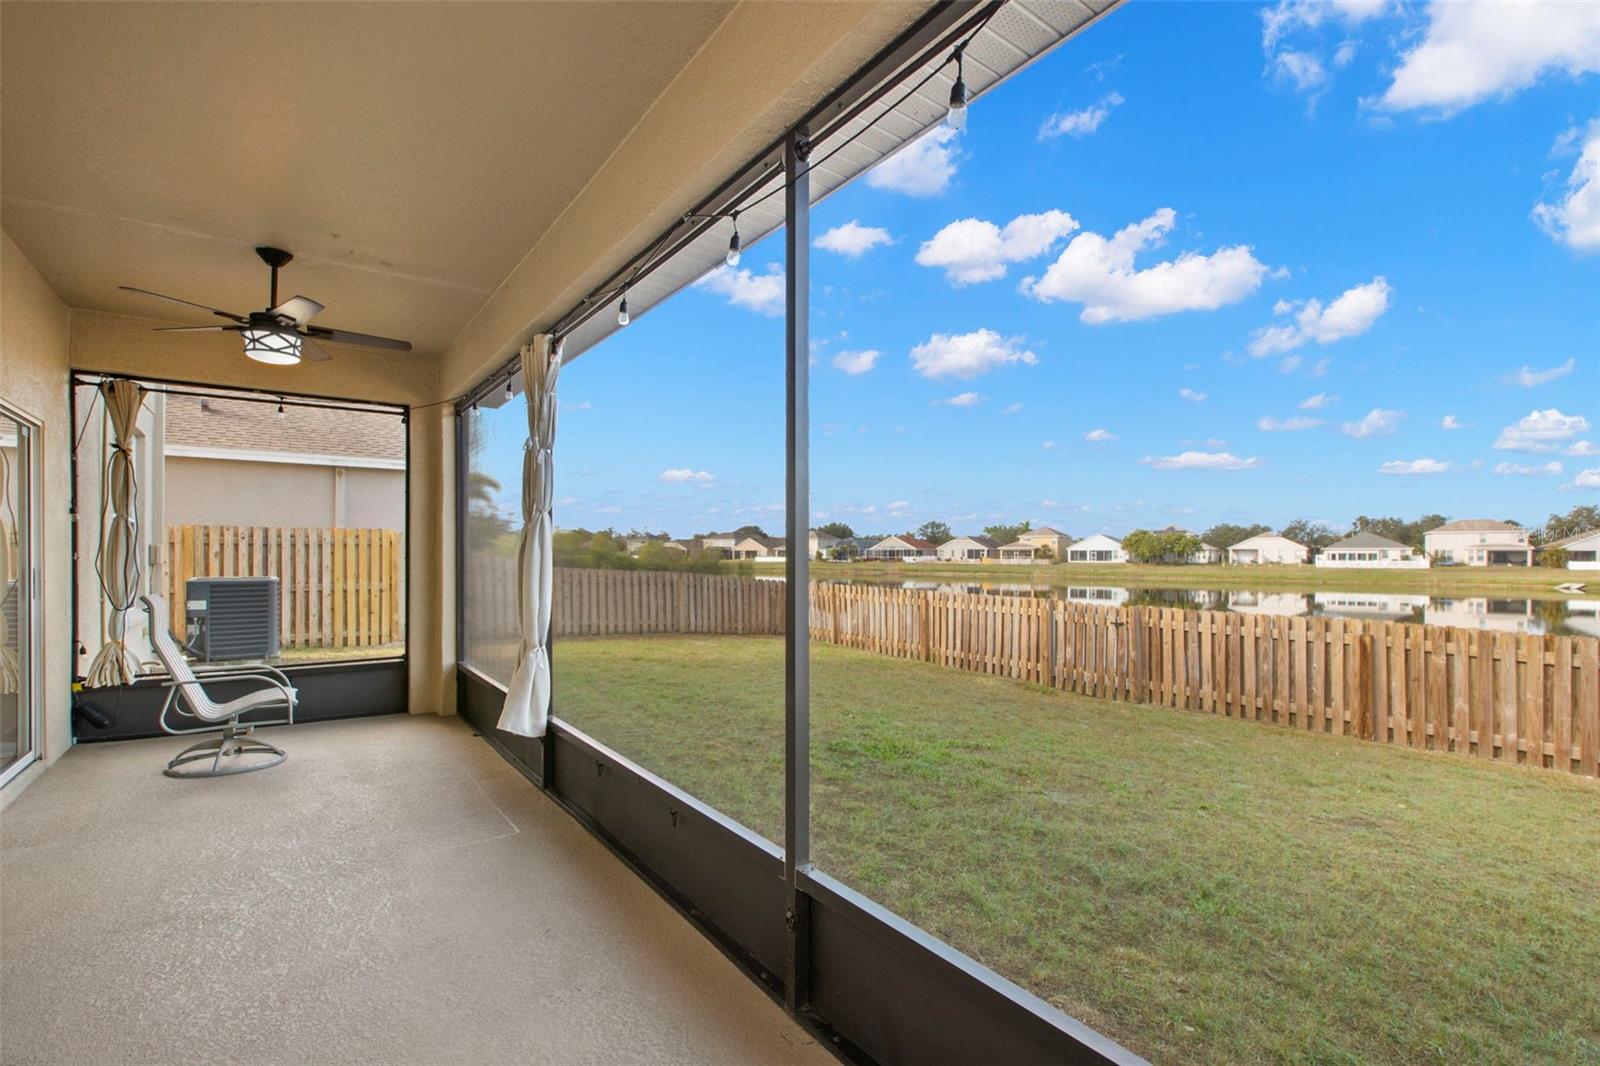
(118, 562)
(10, 673)
(527, 708)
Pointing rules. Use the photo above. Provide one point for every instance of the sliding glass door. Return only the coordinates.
(18, 612)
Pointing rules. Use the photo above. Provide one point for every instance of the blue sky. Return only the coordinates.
(1206, 262)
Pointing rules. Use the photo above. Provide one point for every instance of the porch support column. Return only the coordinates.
(797, 568)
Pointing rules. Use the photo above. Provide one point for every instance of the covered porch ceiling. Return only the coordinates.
(410, 155)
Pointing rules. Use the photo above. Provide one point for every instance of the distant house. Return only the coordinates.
(719, 542)
(1206, 555)
(1099, 548)
(1478, 542)
(1370, 551)
(1267, 548)
(687, 544)
(1583, 550)
(1045, 543)
(902, 549)
(823, 542)
(756, 546)
(968, 549)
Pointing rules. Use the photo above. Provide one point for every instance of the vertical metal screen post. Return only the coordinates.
(797, 567)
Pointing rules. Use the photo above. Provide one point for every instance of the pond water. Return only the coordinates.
(1574, 616)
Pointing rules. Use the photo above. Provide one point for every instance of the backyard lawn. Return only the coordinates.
(1200, 888)
(1516, 582)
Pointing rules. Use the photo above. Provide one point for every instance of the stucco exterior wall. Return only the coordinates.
(227, 492)
(34, 338)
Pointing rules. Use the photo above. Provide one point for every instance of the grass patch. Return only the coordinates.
(1502, 581)
(1203, 889)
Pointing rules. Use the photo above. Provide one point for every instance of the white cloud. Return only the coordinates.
(1268, 424)
(1099, 436)
(762, 293)
(922, 168)
(1451, 422)
(1575, 220)
(1345, 53)
(1012, 408)
(1550, 469)
(1588, 478)
(1202, 461)
(1291, 15)
(896, 505)
(1192, 396)
(1375, 422)
(1099, 273)
(853, 239)
(1080, 123)
(1474, 51)
(971, 250)
(1319, 401)
(1048, 445)
(685, 476)
(1351, 314)
(964, 399)
(1541, 431)
(1583, 449)
(966, 355)
(853, 362)
(1414, 466)
(1301, 69)
(1528, 377)
(582, 405)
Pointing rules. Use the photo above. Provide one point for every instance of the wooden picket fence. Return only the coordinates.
(337, 588)
(592, 603)
(1532, 700)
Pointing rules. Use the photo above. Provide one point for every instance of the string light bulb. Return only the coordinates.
(733, 242)
(509, 394)
(280, 406)
(956, 117)
(622, 310)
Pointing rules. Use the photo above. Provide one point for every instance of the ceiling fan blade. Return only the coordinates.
(367, 340)
(300, 308)
(195, 329)
(313, 352)
(180, 300)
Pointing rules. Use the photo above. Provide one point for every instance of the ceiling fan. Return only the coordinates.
(282, 334)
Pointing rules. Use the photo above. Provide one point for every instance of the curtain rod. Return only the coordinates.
(228, 392)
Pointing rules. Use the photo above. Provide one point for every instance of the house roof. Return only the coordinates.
(1098, 537)
(1042, 531)
(1020, 544)
(1476, 525)
(1265, 538)
(255, 426)
(1366, 540)
(986, 542)
(1566, 542)
(765, 542)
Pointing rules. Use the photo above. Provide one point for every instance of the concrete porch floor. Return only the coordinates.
(394, 893)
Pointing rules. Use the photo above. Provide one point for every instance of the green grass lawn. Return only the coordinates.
(1202, 889)
(1504, 581)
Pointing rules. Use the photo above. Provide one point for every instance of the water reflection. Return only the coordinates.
(1574, 617)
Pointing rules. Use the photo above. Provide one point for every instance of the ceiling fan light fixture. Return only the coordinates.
(276, 347)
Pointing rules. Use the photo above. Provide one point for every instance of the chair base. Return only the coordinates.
(234, 743)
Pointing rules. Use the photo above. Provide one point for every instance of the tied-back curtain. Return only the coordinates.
(527, 708)
(10, 580)
(118, 560)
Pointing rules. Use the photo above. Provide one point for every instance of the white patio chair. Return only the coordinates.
(188, 695)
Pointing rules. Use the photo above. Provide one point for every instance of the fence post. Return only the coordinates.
(1365, 694)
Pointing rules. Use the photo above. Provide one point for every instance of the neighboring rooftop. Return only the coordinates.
(1477, 525)
(1366, 540)
(256, 426)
